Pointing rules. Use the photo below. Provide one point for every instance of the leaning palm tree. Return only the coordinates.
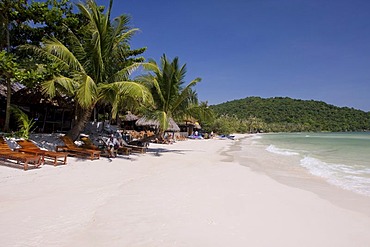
(172, 97)
(95, 67)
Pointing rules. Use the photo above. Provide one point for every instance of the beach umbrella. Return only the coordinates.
(197, 125)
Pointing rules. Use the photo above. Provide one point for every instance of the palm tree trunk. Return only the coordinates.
(8, 96)
(80, 124)
(8, 80)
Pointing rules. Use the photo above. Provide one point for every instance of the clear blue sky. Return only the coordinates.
(303, 49)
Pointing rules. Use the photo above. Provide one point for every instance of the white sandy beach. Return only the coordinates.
(185, 194)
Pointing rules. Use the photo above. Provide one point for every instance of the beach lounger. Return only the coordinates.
(8, 154)
(134, 148)
(88, 143)
(30, 147)
(75, 150)
(124, 150)
(104, 146)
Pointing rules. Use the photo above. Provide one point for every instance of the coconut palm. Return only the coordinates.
(172, 97)
(95, 67)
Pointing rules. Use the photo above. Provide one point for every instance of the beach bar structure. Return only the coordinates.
(189, 126)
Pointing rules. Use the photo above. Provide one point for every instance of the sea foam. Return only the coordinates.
(280, 151)
(341, 175)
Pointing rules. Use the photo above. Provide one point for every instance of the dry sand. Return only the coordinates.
(185, 194)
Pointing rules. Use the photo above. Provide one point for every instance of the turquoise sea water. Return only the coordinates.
(342, 159)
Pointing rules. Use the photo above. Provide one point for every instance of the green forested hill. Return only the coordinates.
(286, 114)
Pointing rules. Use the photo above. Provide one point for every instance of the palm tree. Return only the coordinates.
(5, 6)
(7, 72)
(172, 97)
(95, 67)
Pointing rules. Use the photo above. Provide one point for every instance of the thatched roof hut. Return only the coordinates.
(172, 126)
(15, 87)
(128, 120)
(189, 125)
(129, 117)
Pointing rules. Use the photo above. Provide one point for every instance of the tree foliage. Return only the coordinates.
(173, 97)
(25, 124)
(29, 22)
(286, 114)
(87, 57)
(95, 67)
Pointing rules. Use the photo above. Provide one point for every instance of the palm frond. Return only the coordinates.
(42, 53)
(158, 91)
(56, 48)
(163, 120)
(151, 66)
(160, 117)
(187, 92)
(65, 84)
(120, 24)
(126, 36)
(78, 48)
(118, 92)
(109, 10)
(124, 73)
(132, 89)
(201, 112)
(25, 124)
(84, 10)
(49, 88)
(87, 93)
(69, 85)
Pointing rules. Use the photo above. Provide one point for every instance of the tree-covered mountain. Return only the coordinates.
(286, 114)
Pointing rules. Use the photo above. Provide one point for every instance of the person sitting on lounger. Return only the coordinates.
(112, 146)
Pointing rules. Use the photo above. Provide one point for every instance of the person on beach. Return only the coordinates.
(113, 144)
(169, 139)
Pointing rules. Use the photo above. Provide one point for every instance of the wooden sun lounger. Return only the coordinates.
(19, 157)
(134, 148)
(124, 150)
(90, 145)
(73, 149)
(30, 147)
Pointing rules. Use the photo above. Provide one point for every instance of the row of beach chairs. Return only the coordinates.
(31, 154)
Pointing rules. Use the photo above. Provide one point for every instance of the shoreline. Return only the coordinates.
(299, 177)
(185, 194)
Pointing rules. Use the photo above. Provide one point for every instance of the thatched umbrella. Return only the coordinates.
(172, 125)
(143, 121)
(129, 120)
(130, 117)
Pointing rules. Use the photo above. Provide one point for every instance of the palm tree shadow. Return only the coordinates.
(159, 151)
